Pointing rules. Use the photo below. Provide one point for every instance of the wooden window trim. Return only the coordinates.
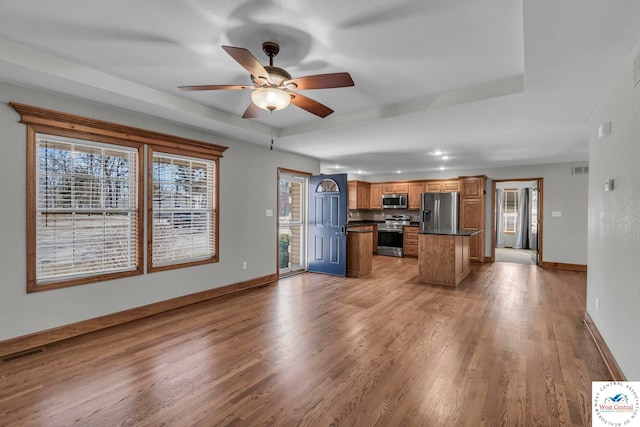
(215, 213)
(32, 285)
(42, 120)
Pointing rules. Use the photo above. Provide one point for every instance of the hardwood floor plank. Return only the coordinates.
(505, 347)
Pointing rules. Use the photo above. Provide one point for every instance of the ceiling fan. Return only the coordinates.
(273, 88)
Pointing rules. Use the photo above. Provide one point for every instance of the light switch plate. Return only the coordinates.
(268, 212)
(608, 185)
(556, 213)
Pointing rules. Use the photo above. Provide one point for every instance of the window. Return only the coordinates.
(510, 210)
(85, 197)
(183, 210)
(86, 210)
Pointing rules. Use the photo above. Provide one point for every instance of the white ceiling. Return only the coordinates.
(490, 82)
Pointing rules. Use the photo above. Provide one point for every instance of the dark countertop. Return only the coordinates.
(358, 222)
(459, 232)
(351, 230)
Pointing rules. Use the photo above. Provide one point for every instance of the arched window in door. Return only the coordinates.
(327, 186)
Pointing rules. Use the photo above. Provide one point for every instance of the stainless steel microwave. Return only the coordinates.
(394, 201)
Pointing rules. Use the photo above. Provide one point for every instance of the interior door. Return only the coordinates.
(328, 224)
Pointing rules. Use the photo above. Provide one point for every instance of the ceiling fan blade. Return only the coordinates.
(252, 111)
(248, 61)
(215, 87)
(310, 105)
(321, 81)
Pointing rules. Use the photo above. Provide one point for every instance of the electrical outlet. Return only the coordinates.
(244, 265)
(597, 304)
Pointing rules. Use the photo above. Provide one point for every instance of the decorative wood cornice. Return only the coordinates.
(36, 116)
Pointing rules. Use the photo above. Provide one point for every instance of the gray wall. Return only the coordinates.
(248, 176)
(614, 220)
(564, 238)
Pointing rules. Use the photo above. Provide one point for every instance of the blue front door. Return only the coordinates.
(328, 224)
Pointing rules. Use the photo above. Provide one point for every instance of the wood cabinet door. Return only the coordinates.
(401, 188)
(388, 188)
(472, 218)
(476, 248)
(415, 190)
(472, 186)
(432, 187)
(363, 190)
(375, 193)
(453, 185)
(352, 195)
(410, 241)
(472, 214)
(395, 187)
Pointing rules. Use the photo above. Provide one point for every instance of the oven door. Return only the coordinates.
(390, 242)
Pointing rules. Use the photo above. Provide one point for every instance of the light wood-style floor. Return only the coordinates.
(507, 347)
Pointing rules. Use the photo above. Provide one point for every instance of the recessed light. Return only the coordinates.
(438, 153)
(445, 158)
(441, 168)
(398, 171)
(359, 172)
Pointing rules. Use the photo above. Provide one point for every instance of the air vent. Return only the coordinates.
(579, 170)
(22, 355)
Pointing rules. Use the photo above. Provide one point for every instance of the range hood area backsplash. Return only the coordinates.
(378, 215)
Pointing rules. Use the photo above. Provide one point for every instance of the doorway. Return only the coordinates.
(517, 221)
(292, 221)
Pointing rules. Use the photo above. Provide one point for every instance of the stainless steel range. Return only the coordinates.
(390, 234)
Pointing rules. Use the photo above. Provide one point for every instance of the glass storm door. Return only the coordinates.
(292, 214)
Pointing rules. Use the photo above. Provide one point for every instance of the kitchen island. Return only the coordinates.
(443, 256)
(359, 251)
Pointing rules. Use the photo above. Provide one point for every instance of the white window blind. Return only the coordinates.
(183, 209)
(86, 208)
(510, 210)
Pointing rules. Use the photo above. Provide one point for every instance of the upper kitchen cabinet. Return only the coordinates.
(472, 186)
(415, 190)
(442, 186)
(375, 201)
(395, 188)
(359, 195)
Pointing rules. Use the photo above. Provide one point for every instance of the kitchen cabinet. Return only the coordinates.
(442, 186)
(359, 250)
(375, 199)
(358, 195)
(369, 227)
(443, 259)
(415, 190)
(472, 213)
(395, 188)
(472, 186)
(410, 240)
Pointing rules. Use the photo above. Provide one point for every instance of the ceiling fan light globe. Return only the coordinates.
(271, 98)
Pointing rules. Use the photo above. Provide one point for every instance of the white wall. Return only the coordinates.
(614, 220)
(248, 176)
(564, 238)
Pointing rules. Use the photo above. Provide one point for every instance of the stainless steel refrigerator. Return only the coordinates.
(440, 212)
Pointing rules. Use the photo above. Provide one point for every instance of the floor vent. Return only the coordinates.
(579, 170)
(22, 355)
